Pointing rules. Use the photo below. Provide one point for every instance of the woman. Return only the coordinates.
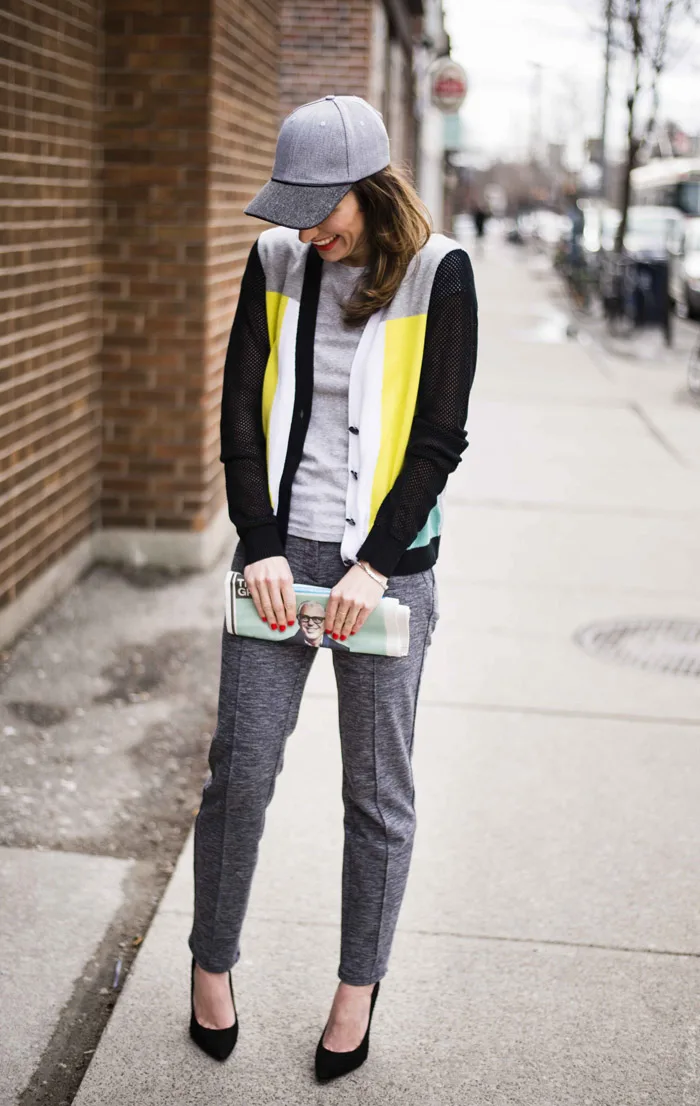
(345, 395)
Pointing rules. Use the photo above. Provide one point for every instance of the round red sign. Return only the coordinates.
(448, 84)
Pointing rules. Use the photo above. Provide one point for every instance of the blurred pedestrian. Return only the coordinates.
(345, 396)
(480, 214)
(576, 216)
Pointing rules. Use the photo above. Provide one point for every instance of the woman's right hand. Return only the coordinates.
(270, 583)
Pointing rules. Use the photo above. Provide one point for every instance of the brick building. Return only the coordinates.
(137, 132)
(363, 48)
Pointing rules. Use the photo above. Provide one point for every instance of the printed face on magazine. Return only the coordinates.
(312, 617)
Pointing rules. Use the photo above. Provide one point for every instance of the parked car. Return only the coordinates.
(539, 226)
(684, 268)
(547, 228)
(647, 234)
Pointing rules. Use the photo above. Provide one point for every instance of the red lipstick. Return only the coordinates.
(330, 244)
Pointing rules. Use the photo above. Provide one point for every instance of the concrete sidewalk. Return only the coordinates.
(548, 949)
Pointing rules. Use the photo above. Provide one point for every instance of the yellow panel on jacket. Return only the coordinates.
(403, 356)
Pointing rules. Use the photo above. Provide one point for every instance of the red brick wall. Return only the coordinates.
(154, 261)
(139, 129)
(326, 46)
(324, 49)
(243, 126)
(49, 380)
(190, 129)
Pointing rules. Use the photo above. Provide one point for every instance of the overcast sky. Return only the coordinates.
(498, 41)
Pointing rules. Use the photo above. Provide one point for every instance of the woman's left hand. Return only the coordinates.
(351, 601)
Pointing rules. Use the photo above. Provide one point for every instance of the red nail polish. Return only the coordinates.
(335, 636)
(282, 628)
(263, 618)
(353, 632)
(273, 625)
(343, 637)
(291, 622)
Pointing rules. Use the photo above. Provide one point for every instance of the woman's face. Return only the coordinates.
(345, 226)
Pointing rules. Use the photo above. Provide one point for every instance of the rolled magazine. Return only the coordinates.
(385, 632)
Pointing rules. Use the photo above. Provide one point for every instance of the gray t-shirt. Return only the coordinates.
(319, 489)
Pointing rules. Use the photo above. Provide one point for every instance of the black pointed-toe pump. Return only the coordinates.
(218, 1043)
(329, 1065)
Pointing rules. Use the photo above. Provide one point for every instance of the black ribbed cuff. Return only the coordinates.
(381, 551)
(262, 541)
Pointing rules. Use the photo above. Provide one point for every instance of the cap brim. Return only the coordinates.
(299, 206)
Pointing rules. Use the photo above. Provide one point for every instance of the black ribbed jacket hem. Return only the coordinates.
(265, 541)
(262, 541)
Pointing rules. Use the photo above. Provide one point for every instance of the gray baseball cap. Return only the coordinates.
(323, 148)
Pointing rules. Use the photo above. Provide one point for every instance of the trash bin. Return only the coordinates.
(636, 288)
(651, 284)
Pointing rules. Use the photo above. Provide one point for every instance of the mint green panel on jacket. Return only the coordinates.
(431, 529)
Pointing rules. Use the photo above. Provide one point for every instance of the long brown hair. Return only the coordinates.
(397, 225)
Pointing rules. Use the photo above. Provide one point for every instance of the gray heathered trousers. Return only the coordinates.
(259, 697)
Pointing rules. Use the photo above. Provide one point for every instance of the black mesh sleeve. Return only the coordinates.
(437, 437)
(242, 438)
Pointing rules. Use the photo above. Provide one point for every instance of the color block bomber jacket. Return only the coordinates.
(408, 396)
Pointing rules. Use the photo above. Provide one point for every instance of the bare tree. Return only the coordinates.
(643, 31)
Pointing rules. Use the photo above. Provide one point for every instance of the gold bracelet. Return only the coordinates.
(370, 572)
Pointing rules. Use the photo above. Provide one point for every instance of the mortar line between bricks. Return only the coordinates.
(553, 712)
(456, 936)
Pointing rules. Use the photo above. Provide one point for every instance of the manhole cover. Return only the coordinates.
(660, 645)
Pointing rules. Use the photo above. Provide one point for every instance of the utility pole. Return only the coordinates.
(536, 122)
(606, 97)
